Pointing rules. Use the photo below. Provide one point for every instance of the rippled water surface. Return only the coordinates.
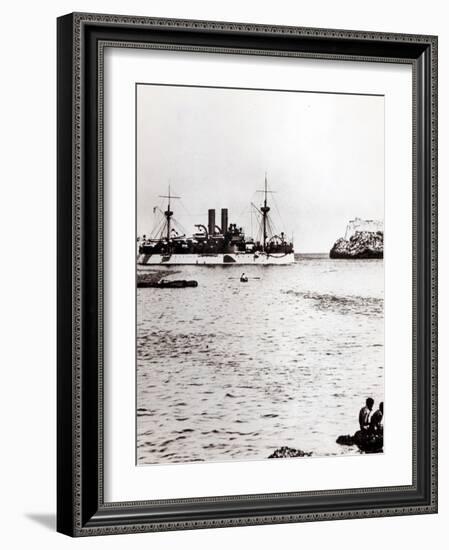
(230, 370)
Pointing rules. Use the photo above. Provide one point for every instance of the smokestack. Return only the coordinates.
(224, 220)
(211, 224)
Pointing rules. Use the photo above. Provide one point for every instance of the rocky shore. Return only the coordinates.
(288, 452)
(362, 245)
(365, 441)
(153, 276)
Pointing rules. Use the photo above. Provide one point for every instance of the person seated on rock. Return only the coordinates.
(364, 414)
(376, 424)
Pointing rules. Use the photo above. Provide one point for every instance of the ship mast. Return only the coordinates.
(265, 209)
(168, 213)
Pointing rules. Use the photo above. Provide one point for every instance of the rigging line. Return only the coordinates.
(157, 212)
(188, 213)
(156, 228)
(153, 225)
(259, 218)
(161, 227)
(260, 232)
(251, 218)
(273, 227)
(251, 211)
(269, 228)
(163, 233)
(158, 234)
(253, 199)
(159, 219)
(240, 216)
(278, 211)
(256, 213)
(255, 207)
(179, 226)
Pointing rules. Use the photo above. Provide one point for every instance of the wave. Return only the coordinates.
(358, 305)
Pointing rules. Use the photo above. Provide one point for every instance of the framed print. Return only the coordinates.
(247, 248)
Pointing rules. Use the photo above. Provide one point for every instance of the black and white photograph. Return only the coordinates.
(247, 274)
(259, 274)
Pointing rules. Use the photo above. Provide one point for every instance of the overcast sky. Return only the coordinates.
(323, 153)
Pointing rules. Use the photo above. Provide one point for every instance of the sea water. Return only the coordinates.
(233, 371)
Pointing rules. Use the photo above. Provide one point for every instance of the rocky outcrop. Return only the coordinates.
(367, 442)
(153, 276)
(362, 245)
(345, 440)
(288, 452)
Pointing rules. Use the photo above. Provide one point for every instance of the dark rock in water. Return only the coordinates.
(345, 440)
(288, 452)
(180, 283)
(153, 276)
(369, 442)
(366, 442)
(156, 279)
(362, 245)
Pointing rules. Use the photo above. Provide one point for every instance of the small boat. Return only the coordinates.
(243, 278)
(167, 284)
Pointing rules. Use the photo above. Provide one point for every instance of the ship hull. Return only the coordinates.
(216, 259)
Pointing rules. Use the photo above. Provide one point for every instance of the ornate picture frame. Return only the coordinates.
(81, 507)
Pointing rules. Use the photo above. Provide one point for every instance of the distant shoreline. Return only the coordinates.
(314, 256)
(311, 255)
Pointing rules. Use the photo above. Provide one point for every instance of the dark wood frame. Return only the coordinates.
(81, 509)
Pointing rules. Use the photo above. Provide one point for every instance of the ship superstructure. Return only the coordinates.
(213, 244)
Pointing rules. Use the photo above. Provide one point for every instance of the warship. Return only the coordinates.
(212, 244)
